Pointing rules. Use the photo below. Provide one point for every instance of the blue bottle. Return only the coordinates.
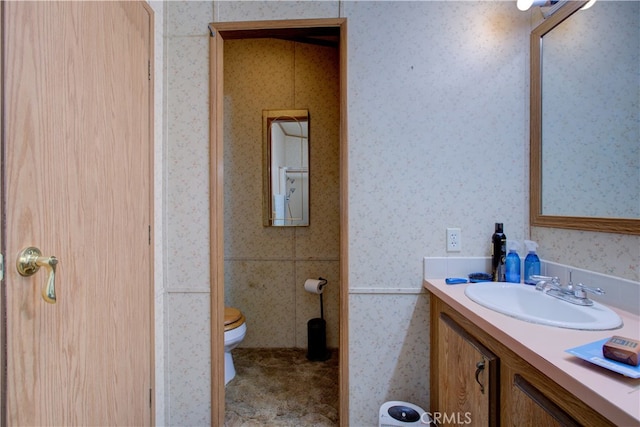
(531, 262)
(513, 263)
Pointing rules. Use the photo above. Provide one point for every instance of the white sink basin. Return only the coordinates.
(525, 303)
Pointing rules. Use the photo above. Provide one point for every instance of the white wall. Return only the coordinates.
(185, 315)
(438, 137)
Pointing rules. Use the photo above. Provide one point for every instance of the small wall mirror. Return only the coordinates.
(286, 168)
(585, 132)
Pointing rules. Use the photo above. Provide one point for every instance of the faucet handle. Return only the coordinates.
(581, 290)
(544, 283)
(539, 278)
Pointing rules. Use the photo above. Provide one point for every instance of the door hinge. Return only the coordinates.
(150, 398)
(1, 267)
(149, 69)
(149, 235)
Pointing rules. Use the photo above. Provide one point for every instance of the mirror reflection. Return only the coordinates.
(591, 113)
(286, 167)
(585, 118)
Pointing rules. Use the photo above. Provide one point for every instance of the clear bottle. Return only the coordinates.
(531, 262)
(498, 253)
(513, 263)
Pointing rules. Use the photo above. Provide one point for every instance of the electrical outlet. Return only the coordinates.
(454, 244)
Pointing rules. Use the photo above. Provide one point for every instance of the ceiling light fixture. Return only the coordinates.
(553, 5)
(527, 4)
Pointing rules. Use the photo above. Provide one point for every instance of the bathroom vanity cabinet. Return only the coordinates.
(478, 380)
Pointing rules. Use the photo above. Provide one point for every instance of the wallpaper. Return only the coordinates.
(438, 110)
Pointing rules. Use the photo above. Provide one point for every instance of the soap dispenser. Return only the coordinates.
(498, 253)
(531, 262)
(513, 263)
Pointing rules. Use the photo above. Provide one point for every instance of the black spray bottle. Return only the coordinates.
(498, 254)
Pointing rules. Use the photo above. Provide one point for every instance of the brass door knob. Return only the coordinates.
(29, 262)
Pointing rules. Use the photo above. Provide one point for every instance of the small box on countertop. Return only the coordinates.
(621, 349)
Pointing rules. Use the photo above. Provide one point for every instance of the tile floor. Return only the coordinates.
(281, 387)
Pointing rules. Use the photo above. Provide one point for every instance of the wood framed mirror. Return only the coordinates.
(585, 131)
(285, 134)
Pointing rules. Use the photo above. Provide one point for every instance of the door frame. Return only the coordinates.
(250, 29)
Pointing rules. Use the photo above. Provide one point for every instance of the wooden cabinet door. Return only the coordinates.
(467, 374)
(528, 405)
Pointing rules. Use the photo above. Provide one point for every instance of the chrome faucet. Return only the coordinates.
(575, 294)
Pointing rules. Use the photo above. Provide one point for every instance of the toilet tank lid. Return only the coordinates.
(231, 315)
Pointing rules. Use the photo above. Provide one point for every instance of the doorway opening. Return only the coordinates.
(323, 32)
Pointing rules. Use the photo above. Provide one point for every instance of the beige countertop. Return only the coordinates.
(613, 395)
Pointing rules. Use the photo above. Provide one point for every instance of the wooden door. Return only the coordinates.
(77, 180)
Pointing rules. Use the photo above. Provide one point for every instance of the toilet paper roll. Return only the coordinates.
(314, 285)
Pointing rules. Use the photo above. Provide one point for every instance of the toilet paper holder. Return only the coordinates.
(323, 283)
(316, 286)
(321, 287)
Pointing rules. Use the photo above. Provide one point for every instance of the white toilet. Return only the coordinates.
(235, 329)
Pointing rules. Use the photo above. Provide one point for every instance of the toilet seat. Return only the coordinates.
(233, 318)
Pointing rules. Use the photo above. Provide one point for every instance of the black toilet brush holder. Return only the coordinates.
(317, 336)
